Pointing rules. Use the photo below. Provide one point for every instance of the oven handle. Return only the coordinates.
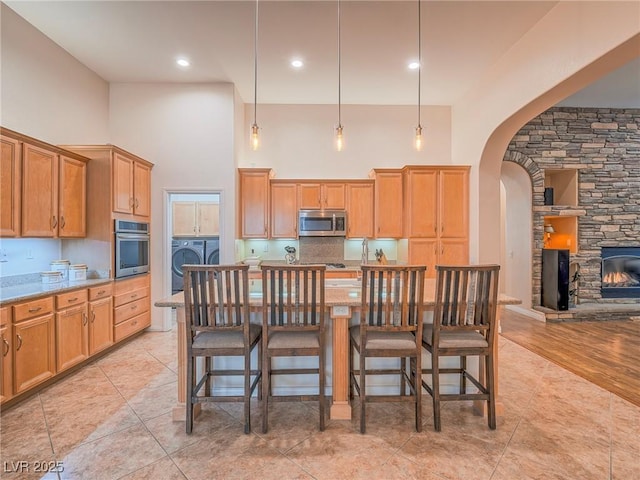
(132, 236)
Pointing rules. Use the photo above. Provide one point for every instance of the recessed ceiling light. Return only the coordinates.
(297, 63)
(183, 62)
(413, 65)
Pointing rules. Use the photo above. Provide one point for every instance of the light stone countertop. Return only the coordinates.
(337, 293)
(34, 290)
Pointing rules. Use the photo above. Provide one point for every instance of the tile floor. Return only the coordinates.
(112, 420)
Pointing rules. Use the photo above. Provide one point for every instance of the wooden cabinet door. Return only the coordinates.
(388, 203)
(34, 352)
(208, 220)
(10, 176)
(284, 210)
(39, 192)
(453, 252)
(100, 325)
(254, 203)
(184, 219)
(421, 205)
(333, 196)
(359, 210)
(309, 196)
(72, 197)
(6, 358)
(122, 184)
(423, 251)
(454, 203)
(72, 342)
(141, 190)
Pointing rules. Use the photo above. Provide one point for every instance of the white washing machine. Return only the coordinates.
(184, 252)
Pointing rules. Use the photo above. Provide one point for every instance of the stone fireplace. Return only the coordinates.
(620, 272)
(600, 148)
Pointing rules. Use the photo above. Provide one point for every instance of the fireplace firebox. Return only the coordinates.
(620, 272)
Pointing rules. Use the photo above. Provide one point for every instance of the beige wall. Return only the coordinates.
(45, 92)
(187, 132)
(522, 84)
(297, 140)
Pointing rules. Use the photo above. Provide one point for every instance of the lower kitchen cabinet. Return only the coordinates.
(100, 318)
(131, 306)
(6, 360)
(72, 326)
(34, 352)
(432, 252)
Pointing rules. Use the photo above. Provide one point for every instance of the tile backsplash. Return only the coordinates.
(321, 249)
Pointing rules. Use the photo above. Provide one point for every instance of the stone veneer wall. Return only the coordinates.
(604, 145)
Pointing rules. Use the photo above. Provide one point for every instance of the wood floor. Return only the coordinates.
(606, 353)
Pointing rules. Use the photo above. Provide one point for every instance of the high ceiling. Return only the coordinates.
(139, 41)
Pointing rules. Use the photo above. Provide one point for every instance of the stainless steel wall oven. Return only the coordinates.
(132, 248)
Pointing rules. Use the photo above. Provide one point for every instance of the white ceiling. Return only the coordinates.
(138, 41)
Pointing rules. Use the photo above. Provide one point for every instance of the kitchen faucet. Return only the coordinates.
(365, 251)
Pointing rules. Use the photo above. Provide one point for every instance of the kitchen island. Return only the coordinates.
(342, 299)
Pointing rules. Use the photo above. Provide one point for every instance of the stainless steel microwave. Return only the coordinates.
(322, 223)
(132, 248)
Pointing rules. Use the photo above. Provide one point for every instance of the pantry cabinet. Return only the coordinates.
(322, 196)
(195, 219)
(34, 343)
(254, 202)
(39, 192)
(360, 209)
(284, 210)
(10, 181)
(6, 360)
(72, 329)
(437, 215)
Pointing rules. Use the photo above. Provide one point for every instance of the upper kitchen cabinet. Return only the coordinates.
(43, 189)
(10, 174)
(131, 185)
(388, 200)
(254, 202)
(284, 209)
(421, 202)
(127, 196)
(320, 196)
(195, 219)
(360, 209)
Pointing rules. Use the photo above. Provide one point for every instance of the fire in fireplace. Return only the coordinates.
(620, 272)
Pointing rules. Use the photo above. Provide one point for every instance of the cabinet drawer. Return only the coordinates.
(101, 291)
(131, 309)
(70, 299)
(130, 296)
(136, 283)
(132, 326)
(5, 316)
(34, 308)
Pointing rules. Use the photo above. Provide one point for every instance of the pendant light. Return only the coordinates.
(339, 137)
(418, 139)
(255, 138)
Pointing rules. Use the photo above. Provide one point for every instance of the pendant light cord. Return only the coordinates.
(339, 71)
(419, 57)
(255, 68)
